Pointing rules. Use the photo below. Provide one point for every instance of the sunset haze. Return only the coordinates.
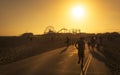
(20, 16)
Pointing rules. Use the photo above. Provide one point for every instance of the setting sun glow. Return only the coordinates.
(78, 12)
(90, 16)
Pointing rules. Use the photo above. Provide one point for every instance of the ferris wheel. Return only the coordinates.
(49, 29)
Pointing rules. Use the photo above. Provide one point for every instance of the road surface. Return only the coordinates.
(61, 61)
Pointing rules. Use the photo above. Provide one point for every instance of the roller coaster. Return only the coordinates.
(51, 30)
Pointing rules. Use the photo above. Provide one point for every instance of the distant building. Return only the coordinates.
(27, 35)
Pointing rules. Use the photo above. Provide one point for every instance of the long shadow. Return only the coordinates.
(64, 50)
(112, 66)
(98, 56)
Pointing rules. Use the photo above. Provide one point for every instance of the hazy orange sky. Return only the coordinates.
(19, 16)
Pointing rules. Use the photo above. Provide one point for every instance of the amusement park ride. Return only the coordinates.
(50, 29)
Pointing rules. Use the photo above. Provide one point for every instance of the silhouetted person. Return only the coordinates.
(99, 42)
(93, 42)
(31, 38)
(67, 41)
(80, 45)
(88, 42)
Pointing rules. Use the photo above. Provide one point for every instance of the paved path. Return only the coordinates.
(62, 61)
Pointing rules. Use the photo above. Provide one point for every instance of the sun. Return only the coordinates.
(78, 12)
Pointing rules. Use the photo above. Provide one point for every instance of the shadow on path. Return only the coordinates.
(98, 56)
(64, 50)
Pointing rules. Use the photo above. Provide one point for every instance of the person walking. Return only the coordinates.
(80, 45)
(93, 42)
(67, 41)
